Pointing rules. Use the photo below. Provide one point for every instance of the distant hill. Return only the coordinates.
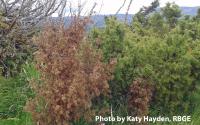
(189, 10)
(98, 20)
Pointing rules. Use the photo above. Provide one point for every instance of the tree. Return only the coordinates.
(198, 14)
(20, 19)
(164, 51)
(171, 12)
(142, 15)
(28, 12)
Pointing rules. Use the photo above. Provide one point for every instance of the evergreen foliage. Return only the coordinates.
(165, 51)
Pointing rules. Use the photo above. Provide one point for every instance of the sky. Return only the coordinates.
(106, 7)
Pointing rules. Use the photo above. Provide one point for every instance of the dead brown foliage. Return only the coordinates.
(140, 93)
(72, 75)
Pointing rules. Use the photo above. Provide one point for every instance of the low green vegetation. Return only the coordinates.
(23, 119)
(14, 92)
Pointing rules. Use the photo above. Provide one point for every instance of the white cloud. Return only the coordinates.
(111, 6)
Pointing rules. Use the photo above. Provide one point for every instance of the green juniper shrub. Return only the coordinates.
(170, 61)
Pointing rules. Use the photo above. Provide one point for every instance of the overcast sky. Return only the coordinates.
(111, 6)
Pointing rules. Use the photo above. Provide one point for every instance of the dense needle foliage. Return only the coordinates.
(72, 73)
(168, 58)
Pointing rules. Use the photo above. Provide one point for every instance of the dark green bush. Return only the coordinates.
(170, 61)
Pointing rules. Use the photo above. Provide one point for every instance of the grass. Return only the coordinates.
(13, 96)
(23, 119)
(14, 92)
(194, 121)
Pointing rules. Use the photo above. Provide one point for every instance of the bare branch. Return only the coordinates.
(62, 13)
(92, 10)
(126, 17)
(29, 13)
(101, 6)
(120, 7)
